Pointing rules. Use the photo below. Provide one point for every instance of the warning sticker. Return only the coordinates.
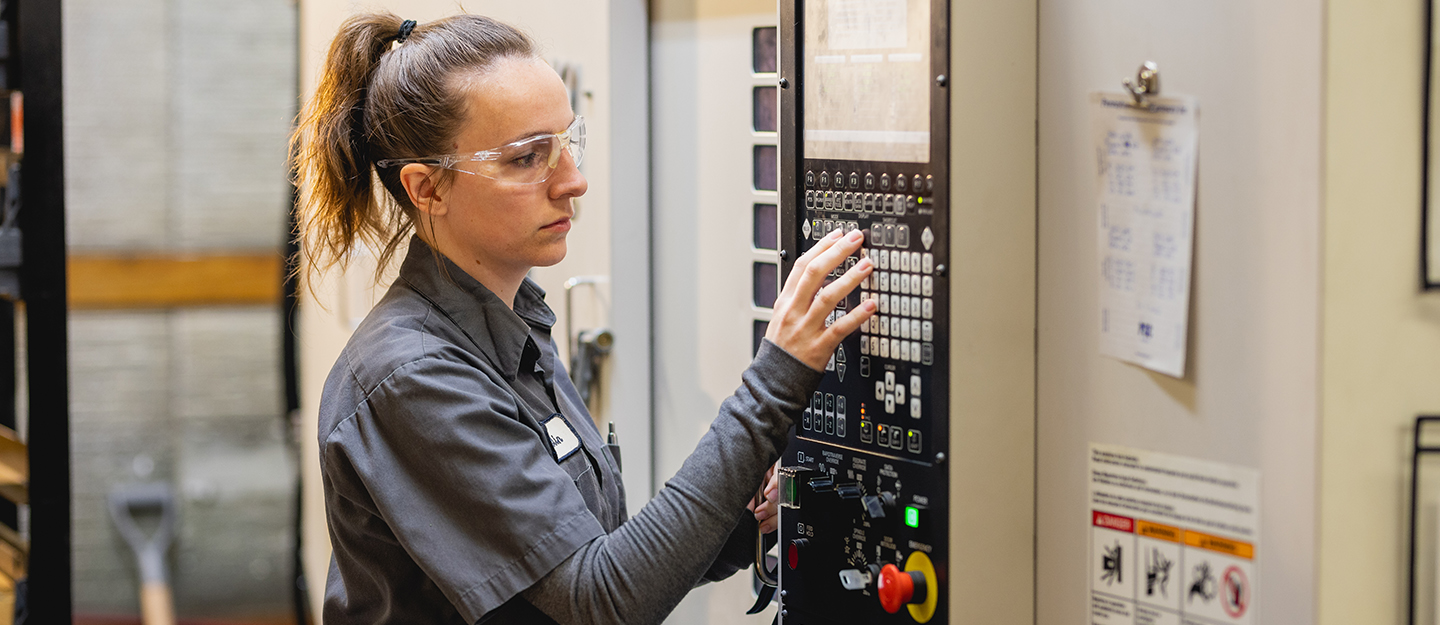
(1173, 540)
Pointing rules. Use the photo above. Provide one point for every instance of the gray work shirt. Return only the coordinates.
(442, 489)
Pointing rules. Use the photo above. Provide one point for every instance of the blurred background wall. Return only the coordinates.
(176, 120)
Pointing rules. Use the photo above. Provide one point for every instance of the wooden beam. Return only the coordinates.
(170, 281)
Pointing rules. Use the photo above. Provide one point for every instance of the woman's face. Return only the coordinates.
(505, 227)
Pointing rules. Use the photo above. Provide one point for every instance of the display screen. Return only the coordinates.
(867, 80)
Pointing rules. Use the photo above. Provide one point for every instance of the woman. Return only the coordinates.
(464, 480)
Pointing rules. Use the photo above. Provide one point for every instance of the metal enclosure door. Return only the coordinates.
(706, 261)
(1250, 395)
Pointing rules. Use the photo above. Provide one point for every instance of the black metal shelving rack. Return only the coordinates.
(37, 72)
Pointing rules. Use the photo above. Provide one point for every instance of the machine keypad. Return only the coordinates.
(900, 336)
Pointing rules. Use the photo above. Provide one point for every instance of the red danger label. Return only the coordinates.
(1110, 521)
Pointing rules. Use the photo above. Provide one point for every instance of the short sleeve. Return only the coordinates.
(469, 491)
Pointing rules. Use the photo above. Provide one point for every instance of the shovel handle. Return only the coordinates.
(156, 606)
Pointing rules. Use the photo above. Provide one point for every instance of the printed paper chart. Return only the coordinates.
(1173, 539)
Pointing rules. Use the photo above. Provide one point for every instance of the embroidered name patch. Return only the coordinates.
(562, 437)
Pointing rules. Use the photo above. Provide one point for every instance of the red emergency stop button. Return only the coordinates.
(792, 554)
(898, 588)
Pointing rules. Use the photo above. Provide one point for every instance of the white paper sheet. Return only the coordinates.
(1145, 195)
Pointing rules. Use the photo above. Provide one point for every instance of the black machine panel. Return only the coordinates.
(864, 483)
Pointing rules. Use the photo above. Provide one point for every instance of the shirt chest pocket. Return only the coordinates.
(570, 452)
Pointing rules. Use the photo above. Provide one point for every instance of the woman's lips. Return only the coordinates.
(560, 225)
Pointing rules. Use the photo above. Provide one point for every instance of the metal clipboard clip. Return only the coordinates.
(1145, 84)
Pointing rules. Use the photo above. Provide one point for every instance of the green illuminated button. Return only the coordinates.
(912, 516)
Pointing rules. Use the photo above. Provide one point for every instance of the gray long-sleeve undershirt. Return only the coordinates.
(640, 572)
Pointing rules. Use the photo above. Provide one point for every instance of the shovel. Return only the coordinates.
(127, 502)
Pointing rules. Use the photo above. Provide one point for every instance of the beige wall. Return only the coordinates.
(1251, 393)
(1381, 354)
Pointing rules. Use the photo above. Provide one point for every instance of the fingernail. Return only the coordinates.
(866, 263)
(855, 235)
(834, 234)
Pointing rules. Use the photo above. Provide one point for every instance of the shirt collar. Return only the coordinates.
(501, 334)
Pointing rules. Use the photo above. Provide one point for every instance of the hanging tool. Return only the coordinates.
(127, 502)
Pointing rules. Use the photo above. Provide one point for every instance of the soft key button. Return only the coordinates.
(882, 259)
(904, 261)
(889, 381)
(915, 386)
(900, 393)
(927, 263)
(879, 390)
(914, 407)
(927, 286)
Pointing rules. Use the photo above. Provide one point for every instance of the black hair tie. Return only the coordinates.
(405, 28)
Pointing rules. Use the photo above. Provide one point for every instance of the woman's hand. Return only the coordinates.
(798, 325)
(768, 512)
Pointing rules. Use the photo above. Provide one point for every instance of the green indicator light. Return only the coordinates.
(912, 516)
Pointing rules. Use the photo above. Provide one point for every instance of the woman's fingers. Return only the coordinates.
(808, 280)
(830, 295)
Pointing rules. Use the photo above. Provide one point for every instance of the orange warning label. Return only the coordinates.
(1157, 531)
(1220, 545)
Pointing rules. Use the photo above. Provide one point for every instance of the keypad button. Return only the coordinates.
(829, 424)
(839, 180)
(900, 183)
(805, 228)
(879, 390)
(917, 183)
(927, 331)
(927, 309)
(864, 343)
(890, 235)
(915, 329)
(884, 182)
(874, 349)
(927, 237)
(809, 199)
(877, 235)
(829, 226)
(889, 404)
(900, 393)
(840, 426)
(867, 432)
(889, 381)
(824, 180)
(897, 204)
(884, 326)
(927, 286)
(927, 262)
(855, 180)
(914, 261)
(805, 419)
(884, 348)
(883, 283)
(897, 438)
(882, 260)
(927, 354)
(905, 307)
(914, 407)
(869, 205)
(817, 402)
(869, 181)
(894, 304)
(904, 261)
(914, 306)
(914, 351)
(882, 435)
(914, 386)
(910, 203)
(810, 179)
(902, 236)
(929, 184)
(913, 441)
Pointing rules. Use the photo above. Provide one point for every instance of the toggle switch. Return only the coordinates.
(898, 588)
(877, 505)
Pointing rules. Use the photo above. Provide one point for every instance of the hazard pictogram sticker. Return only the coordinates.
(1234, 592)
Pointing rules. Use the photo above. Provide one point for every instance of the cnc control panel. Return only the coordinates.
(864, 145)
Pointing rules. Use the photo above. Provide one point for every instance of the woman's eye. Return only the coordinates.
(528, 159)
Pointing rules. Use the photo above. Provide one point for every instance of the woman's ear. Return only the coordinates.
(419, 182)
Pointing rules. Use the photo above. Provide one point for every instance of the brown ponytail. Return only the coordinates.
(372, 103)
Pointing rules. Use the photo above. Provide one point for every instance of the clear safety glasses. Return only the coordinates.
(528, 161)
